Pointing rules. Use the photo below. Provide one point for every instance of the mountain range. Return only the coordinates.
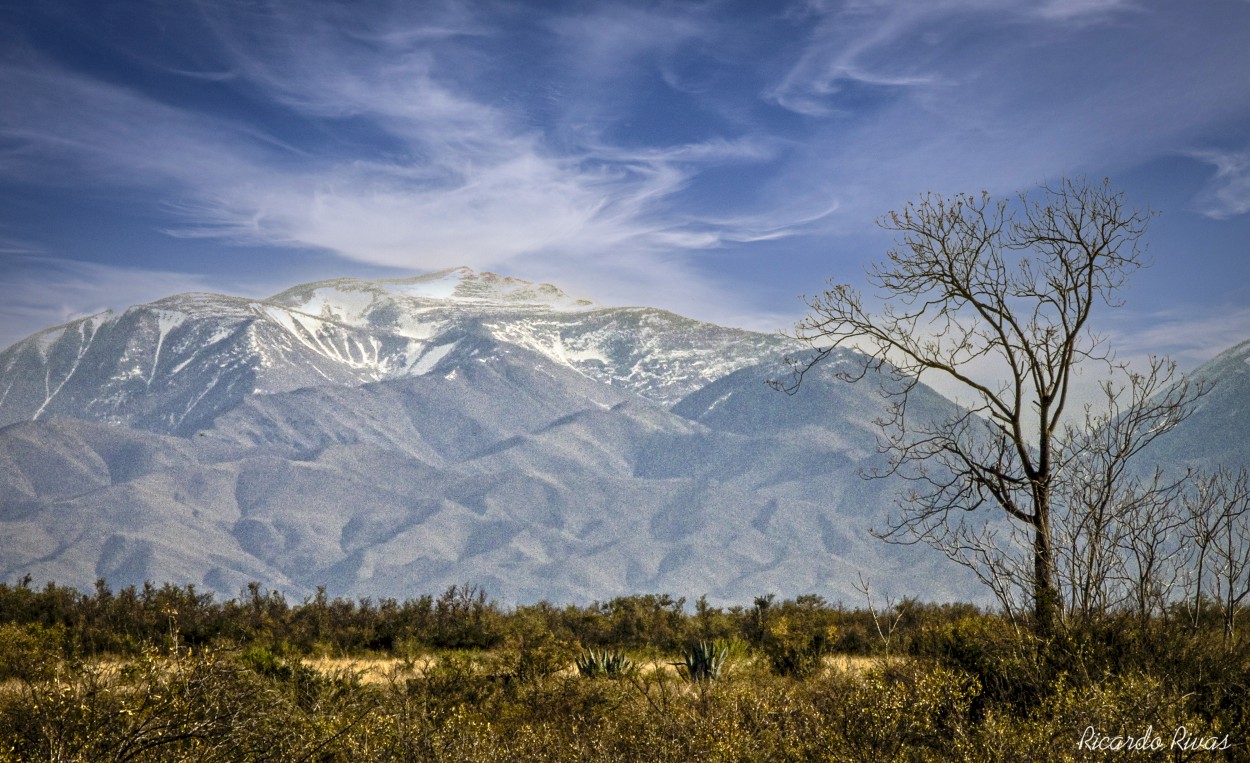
(395, 437)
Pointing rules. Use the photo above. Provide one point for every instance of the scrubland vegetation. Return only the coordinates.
(171, 674)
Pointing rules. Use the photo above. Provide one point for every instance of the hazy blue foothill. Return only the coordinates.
(390, 438)
(1218, 432)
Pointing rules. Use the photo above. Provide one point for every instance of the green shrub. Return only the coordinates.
(31, 652)
(164, 706)
(265, 662)
(794, 636)
(899, 711)
(796, 651)
(1008, 665)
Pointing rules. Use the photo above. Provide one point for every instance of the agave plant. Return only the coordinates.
(612, 664)
(704, 661)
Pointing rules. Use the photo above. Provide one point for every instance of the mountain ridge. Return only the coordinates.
(424, 432)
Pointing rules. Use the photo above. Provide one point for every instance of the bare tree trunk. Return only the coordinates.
(1045, 597)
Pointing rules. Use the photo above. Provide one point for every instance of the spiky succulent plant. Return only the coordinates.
(610, 664)
(704, 661)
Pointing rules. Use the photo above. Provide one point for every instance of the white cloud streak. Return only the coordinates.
(1190, 336)
(964, 95)
(1228, 193)
(465, 180)
(1088, 11)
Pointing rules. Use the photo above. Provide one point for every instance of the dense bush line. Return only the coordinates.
(463, 617)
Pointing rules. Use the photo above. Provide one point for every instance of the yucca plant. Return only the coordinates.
(612, 664)
(704, 661)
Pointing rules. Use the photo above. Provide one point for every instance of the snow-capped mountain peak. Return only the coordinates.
(173, 365)
(359, 302)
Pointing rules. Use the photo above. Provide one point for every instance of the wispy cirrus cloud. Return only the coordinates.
(1228, 192)
(900, 45)
(414, 164)
(845, 48)
(1086, 11)
(964, 95)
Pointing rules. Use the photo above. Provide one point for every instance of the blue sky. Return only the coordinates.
(714, 158)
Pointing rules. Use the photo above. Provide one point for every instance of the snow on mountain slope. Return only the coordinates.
(173, 365)
(651, 352)
(479, 393)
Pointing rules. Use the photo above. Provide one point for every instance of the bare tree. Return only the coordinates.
(995, 298)
(1117, 530)
(1154, 558)
(1217, 526)
(1200, 509)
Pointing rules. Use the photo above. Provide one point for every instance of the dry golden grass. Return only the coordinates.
(854, 663)
(381, 670)
(370, 670)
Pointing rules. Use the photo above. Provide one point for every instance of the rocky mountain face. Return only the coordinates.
(392, 438)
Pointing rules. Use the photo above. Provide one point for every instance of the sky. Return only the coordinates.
(718, 159)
